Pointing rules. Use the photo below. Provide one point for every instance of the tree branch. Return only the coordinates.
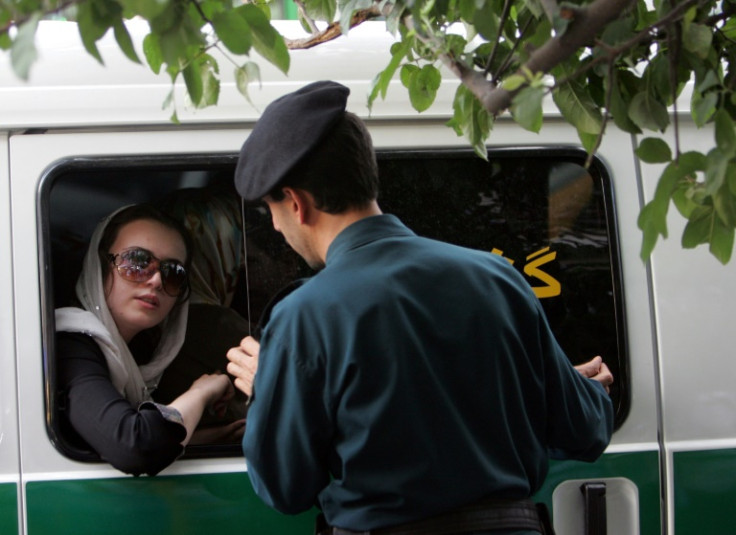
(474, 80)
(581, 32)
(19, 21)
(334, 30)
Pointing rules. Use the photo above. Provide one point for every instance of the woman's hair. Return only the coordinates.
(341, 172)
(139, 212)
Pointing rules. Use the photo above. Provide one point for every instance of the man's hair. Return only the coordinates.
(341, 172)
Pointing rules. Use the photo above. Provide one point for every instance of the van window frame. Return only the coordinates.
(227, 160)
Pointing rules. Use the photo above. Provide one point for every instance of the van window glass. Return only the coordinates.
(544, 212)
(540, 209)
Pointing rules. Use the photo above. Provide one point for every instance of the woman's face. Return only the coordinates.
(136, 306)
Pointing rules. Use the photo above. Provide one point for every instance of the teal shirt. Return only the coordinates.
(410, 377)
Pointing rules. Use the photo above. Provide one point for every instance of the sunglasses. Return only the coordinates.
(139, 265)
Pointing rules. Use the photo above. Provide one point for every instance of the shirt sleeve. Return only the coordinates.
(288, 431)
(580, 410)
(135, 440)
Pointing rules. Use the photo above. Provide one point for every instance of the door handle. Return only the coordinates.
(594, 496)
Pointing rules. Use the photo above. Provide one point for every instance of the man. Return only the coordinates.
(411, 386)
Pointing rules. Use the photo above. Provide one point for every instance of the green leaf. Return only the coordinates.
(382, 80)
(654, 150)
(148, 9)
(193, 79)
(152, 52)
(589, 141)
(347, 8)
(648, 113)
(467, 10)
(715, 171)
(721, 241)
(657, 76)
(486, 21)
(653, 223)
(514, 82)
(124, 41)
(472, 119)
(423, 85)
(406, 72)
(244, 75)
(94, 18)
(620, 109)
(266, 40)
(682, 199)
(731, 178)
(5, 42)
(685, 167)
(729, 28)
(711, 80)
(618, 31)
(697, 38)
(210, 83)
(724, 203)
(578, 107)
(233, 30)
(23, 52)
(725, 133)
(699, 228)
(702, 107)
(321, 9)
(526, 108)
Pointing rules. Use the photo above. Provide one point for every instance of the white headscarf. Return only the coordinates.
(134, 382)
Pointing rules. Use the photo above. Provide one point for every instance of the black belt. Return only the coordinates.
(485, 515)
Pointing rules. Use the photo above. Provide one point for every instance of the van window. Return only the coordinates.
(539, 209)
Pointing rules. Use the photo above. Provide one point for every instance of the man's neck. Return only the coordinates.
(331, 225)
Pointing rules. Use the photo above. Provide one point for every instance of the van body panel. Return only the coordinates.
(694, 302)
(50, 477)
(194, 503)
(705, 490)
(69, 88)
(641, 468)
(9, 432)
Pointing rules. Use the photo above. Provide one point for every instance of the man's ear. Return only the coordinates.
(301, 203)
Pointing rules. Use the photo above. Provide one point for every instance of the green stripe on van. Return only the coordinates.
(642, 468)
(226, 503)
(178, 505)
(705, 491)
(8, 508)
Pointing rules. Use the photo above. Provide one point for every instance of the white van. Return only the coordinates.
(80, 140)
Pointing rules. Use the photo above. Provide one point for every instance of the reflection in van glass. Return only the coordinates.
(540, 210)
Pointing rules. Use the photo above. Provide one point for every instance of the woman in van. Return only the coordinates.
(129, 325)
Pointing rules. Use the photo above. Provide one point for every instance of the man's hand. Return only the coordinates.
(244, 363)
(597, 370)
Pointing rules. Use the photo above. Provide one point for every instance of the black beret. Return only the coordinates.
(288, 129)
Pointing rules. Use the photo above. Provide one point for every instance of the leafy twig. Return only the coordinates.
(334, 30)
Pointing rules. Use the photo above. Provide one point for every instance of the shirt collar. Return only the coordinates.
(364, 231)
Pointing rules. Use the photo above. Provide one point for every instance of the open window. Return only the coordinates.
(540, 209)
